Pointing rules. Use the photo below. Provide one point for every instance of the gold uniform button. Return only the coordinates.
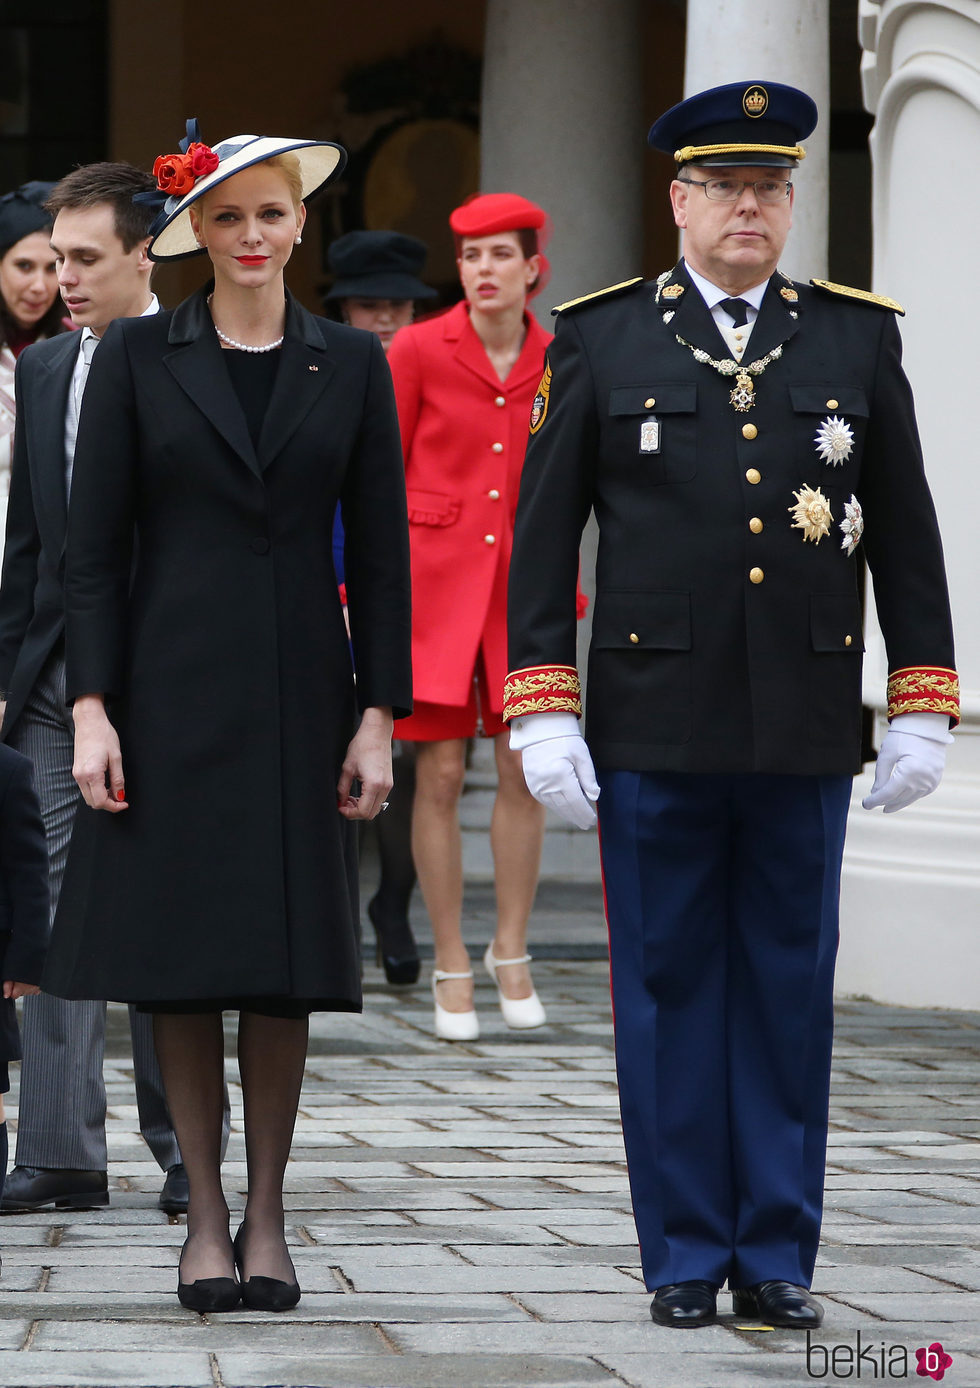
(754, 476)
(755, 525)
(749, 431)
(634, 638)
(649, 404)
(489, 539)
(847, 640)
(498, 448)
(500, 402)
(756, 575)
(493, 494)
(833, 404)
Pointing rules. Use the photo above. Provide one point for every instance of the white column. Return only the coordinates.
(562, 122)
(779, 41)
(911, 899)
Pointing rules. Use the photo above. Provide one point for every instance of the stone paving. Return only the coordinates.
(459, 1215)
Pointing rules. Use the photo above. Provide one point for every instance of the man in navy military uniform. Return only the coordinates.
(742, 440)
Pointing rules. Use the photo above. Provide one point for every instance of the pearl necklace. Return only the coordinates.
(242, 346)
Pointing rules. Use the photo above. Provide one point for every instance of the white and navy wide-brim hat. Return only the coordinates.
(173, 238)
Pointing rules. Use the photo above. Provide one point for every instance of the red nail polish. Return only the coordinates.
(120, 795)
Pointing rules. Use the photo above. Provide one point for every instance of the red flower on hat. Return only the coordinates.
(176, 174)
(203, 159)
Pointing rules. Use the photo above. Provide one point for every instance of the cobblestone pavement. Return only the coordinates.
(459, 1215)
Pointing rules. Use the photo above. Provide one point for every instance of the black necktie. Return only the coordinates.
(738, 310)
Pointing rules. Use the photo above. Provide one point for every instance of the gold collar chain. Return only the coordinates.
(742, 396)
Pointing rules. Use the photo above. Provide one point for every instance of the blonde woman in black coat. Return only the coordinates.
(215, 704)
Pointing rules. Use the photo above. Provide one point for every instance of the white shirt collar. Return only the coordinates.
(152, 307)
(712, 295)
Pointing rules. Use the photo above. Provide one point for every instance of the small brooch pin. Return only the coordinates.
(834, 441)
(852, 525)
(673, 291)
(811, 514)
(314, 368)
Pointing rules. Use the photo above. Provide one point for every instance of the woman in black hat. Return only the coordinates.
(214, 865)
(30, 307)
(376, 289)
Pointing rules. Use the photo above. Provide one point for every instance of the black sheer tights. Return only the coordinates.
(271, 1059)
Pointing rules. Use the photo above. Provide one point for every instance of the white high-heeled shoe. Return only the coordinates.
(520, 1014)
(453, 1026)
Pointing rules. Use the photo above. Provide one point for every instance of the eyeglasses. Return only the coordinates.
(766, 190)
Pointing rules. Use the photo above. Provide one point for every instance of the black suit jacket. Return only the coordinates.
(722, 640)
(32, 599)
(23, 889)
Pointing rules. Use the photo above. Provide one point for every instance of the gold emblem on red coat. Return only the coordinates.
(539, 409)
(755, 102)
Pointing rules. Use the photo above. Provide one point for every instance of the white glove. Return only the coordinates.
(910, 762)
(557, 766)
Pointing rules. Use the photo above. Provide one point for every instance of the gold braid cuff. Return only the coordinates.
(924, 689)
(689, 152)
(542, 689)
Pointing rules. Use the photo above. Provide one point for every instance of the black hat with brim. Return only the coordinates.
(377, 265)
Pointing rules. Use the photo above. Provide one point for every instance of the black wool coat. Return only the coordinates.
(722, 639)
(201, 600)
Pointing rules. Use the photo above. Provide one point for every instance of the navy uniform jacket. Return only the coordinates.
(723, 640)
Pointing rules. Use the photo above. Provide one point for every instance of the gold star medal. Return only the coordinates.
(811, 514)
(834, 441)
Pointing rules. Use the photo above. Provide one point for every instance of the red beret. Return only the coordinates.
(486, 213)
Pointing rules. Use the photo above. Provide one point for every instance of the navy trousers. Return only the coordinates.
(722, 901)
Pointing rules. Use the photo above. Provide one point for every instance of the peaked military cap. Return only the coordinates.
(760, 123)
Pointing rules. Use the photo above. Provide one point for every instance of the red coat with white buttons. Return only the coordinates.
(464, 433)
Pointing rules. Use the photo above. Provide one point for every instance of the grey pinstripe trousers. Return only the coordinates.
(61, 1121)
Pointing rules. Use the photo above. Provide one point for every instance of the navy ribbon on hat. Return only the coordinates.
(156, 197)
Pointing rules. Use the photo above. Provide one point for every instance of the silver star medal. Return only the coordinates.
(834, 441)
(852, 525)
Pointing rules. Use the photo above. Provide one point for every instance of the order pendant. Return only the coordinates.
(743, 396)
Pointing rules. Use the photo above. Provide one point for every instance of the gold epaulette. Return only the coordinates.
(606, 293)
(865, 295)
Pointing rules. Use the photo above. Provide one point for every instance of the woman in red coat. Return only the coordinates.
(464, 385)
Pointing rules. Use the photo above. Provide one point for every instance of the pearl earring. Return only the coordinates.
(298, 241)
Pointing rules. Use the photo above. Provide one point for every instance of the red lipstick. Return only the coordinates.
(251, 259)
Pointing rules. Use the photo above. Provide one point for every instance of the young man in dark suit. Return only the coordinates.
(99, 240)
(742, 440)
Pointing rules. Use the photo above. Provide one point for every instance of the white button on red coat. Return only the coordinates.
(489, 539)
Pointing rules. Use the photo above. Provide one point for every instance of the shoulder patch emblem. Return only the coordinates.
(606, 293)
(539, 408)
(865, 295)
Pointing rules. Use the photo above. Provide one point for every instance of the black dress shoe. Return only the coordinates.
(778, 1303)
(264, 1293)
(37, 1187)
(175, 1193)
(209, 1294)
(396, 949)
(685, 1304)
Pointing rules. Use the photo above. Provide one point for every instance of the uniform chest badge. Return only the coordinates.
(852, 525)
(811, 514)
(834, 441)
(539, 408)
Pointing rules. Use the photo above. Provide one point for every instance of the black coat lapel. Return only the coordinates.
(692, 318)
(196, 365)
(775, 323)
(47, 425)
(304, 371)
